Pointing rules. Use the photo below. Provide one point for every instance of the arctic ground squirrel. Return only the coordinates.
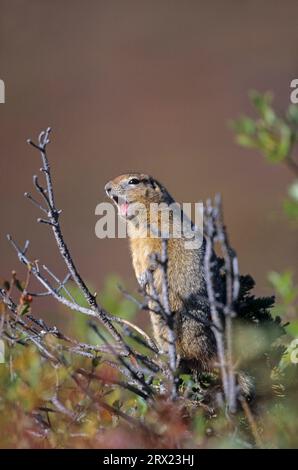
(195, 342)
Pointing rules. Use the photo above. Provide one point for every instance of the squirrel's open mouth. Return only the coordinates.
(122, 205)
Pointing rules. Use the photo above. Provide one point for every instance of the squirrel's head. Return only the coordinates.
(135, 189)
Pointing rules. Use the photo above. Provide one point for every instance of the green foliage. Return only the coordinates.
(284, 286)
(287, 292)
(92, 402)
(274, 136)
(290, 204)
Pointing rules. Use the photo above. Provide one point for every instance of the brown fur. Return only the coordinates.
(195, 340)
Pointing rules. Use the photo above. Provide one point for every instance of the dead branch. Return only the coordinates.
(215, 232)
(53, 214)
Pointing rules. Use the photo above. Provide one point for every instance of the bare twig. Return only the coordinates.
(53, 220)
(232, 292)
(170, 318)
(215, 231)
(251, 420)
(93, 309)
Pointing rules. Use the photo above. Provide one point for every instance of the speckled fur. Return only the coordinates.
(195, 340)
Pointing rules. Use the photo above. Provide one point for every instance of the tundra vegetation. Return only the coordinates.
(102, 383)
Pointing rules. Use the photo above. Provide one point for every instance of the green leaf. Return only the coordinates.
(284, 285)
(292, 328)
(25, 309)
(291, 208)
(262, 103)
(245, 141)
(292, 113)
(244, 125)
(142, 405)
(293, 190)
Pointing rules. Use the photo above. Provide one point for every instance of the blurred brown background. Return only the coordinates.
(150, 86)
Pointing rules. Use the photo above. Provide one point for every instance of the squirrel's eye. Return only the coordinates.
(133, 181)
